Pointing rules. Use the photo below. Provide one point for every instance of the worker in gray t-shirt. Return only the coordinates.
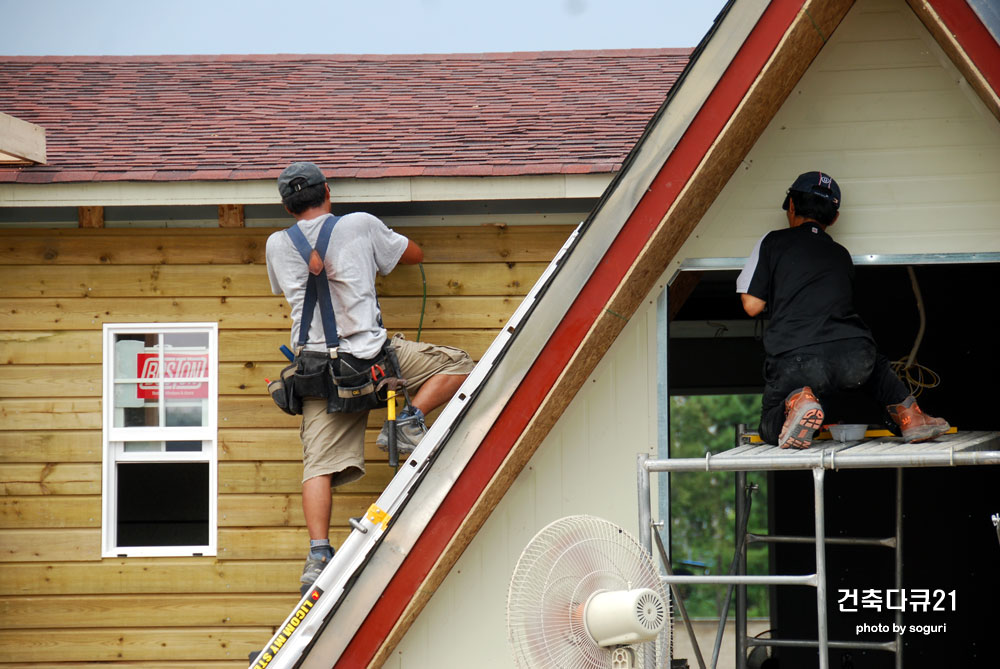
(360, 246)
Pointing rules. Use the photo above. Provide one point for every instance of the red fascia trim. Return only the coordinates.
(968, 29)
(588, 305)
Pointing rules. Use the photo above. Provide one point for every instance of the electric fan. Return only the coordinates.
(585, 595)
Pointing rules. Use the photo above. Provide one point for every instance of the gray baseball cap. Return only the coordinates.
(298, 176)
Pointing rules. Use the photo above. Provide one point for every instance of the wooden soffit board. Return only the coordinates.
(968, 43)
(774, 57)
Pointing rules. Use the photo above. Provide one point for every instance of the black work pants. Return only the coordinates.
(835, 366)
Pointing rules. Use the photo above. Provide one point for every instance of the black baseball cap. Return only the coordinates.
(298, 176)
(816, 183)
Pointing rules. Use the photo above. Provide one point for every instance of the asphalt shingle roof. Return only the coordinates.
(178, 118)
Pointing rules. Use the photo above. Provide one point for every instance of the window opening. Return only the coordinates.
(160, 435)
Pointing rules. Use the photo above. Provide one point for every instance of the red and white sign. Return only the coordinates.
(179, 366)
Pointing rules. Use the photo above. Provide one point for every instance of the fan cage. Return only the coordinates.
(560, 569)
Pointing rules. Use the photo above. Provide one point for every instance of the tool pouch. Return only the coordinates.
(281, 391)
(354, 381)
(312, 377)
(308, 376)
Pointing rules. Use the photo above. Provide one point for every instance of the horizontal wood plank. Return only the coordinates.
(50, 511)
(110, 246)
(65, 347)
(272, 543)
(234, 246)
(52, 414)
(151, 575)
(76, 446)
(84, 545)
(234, 477)
(51, 381)
(165, 611)
(283, 444)
(50, 479)
(139, 664)
(77, 313)
(36, 545)
(26, 347)
(58, 381)
(500, 278)
(131, 644)
(490, 244)
(261, 510)
(286, 478)
(84, 413)
(59, 446)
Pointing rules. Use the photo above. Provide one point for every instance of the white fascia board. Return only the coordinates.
(403, 189)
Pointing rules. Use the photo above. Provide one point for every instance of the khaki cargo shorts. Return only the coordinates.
(334, 443)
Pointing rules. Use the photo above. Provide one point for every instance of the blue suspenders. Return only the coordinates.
(317, 287)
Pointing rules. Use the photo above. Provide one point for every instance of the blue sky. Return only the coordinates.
(139, 27)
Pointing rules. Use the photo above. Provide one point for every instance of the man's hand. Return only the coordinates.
(752, 305)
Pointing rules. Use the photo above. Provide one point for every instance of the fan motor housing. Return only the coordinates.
(619, 617)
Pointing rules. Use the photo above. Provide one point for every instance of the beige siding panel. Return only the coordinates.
(585, 465)
(882, 108)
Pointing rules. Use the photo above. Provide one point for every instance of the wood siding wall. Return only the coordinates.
(59, 601)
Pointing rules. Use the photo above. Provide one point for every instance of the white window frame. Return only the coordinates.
(115, 438)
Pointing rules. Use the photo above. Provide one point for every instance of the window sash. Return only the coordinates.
(116, 438)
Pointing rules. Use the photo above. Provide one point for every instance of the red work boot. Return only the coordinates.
(916, 425)
(803, 416)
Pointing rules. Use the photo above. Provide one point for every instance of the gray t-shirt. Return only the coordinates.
(360, 246)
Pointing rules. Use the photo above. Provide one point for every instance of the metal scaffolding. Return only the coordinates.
(958, 449)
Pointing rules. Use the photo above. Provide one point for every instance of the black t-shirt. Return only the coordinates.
(807, 280)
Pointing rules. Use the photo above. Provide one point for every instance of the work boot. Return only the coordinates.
(803, 416)
(315, 564)
(410, 429)
(916, 425)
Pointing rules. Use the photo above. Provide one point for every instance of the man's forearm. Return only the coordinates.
(752, 305)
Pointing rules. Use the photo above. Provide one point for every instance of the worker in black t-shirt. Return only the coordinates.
(816, 344)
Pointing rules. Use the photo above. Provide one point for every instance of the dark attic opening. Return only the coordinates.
(950, 544)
